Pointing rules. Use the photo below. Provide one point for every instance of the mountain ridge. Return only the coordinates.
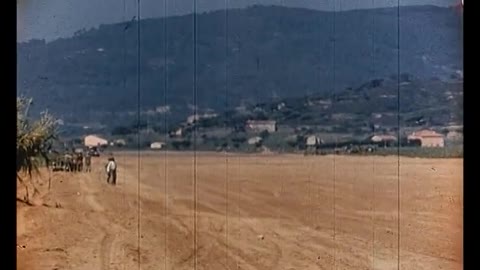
(268, 52)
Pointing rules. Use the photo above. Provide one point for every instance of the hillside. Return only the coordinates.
(349, 116)
(376, 102)
(269, 53)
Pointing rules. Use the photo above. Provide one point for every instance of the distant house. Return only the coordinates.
(162, 109)
(120, 142)
(196, 117)
(157, 145)
(178, 132)
(193, 118)
(313, 141)
(94, 141)
(262, 125)
(427, 138)
(320, 103)
(241, 109)
(147, 131)
(313, 144)
(254, 140)
(454, 136)
(383, 139)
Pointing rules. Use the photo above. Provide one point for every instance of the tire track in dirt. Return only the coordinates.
(20, 221)
(106, 250)
(111, 251)
(109, 244)
(88, 195)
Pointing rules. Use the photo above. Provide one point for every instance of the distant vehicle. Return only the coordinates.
(94, 152)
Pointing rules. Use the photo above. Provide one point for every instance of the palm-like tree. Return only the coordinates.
(34, 140)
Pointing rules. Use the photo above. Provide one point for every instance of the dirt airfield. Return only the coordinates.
(251, 212)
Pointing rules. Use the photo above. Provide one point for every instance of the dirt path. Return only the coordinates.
(256, 213)
(88, 192)
(111, 245)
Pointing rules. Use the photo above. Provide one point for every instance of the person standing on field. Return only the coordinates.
(80, 162)
(88, 162)
(112, 171)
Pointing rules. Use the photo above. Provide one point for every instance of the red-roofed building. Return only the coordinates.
(428, 138)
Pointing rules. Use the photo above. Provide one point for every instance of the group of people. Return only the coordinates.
(76, 162)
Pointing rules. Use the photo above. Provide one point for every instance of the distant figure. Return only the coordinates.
(112, 170)
(68, 162)
(88, 162)
(74, 162)
(80, 162)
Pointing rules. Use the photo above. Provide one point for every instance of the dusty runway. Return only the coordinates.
(252, 212)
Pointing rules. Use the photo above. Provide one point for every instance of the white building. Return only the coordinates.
(383, 138)
(94, 141)
(157, 145)
(120, 142)
(262, 125)
(196, 117)
(254, 140)
(313, 141)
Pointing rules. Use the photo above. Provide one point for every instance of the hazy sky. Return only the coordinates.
(50, 19)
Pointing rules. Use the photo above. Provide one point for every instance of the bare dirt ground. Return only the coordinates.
(252, 212)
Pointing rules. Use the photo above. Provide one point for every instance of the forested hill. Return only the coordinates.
(261, 54)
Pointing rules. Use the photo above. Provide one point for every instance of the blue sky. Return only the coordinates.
(51, 19)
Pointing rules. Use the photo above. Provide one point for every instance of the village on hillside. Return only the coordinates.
(268, 135)
(362, 120)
